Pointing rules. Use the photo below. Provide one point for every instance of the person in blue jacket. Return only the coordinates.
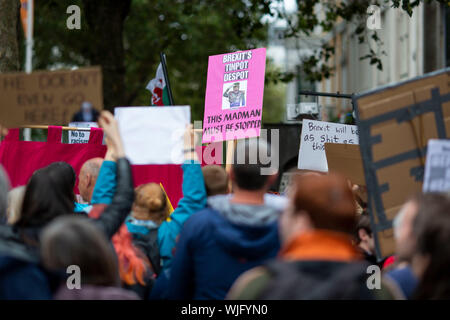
(235, 233)
(194, 199)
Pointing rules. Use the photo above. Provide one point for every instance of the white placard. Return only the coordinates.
(437, 166)
(313, 138)
(153, 135)
(80, 136)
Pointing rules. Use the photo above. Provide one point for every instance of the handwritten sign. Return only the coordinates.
(437, 166)
(48, 97)
(313, 138)
(80, 136)
(234, 95)
(153, 135)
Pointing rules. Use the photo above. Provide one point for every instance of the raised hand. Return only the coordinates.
(111, 130)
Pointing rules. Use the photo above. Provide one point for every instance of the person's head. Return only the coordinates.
(4, 188)
(236, 86)
(249, 172)
(323, 202)
(431, 258)
(405, 239)
(15, 200)
(86, 106)
(74, 240)
(216, 180)
(150, 203)
(49, 193)
(363, 234)
(88, 177)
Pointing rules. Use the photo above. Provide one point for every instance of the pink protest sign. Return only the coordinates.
(234, 95)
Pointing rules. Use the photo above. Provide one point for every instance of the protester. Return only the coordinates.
(318, 259)
(150, 209)
(74, 241)
(235, 233)
(88, 178)
(15, 200)
(49, 194)
(87, 113)
(216, 180)
(364, 239)
(405, 239)
(431, 257)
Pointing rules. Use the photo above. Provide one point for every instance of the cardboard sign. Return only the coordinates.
(80, 136)
(313, 138)
(346, 159)
(153, 135)
(234, 95)
(437, 167)
(48, 97)
(395, 122)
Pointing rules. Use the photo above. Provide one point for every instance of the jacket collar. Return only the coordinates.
(320, 245)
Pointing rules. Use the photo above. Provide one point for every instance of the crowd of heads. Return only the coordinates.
(324, 202)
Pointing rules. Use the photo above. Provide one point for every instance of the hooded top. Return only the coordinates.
(220, 242)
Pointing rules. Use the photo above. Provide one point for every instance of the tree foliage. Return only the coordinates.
(125, 37)
(305, 21)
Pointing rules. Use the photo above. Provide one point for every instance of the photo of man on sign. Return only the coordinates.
(235, 96)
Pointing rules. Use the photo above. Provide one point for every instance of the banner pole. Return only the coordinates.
(166, 77)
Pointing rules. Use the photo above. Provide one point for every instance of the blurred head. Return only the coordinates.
(74, 240)
(431, 258)
(88, 177)
(248, 171)
(4, 188)
(86, 106)
(150, 203)
(236, 86)
(49, 193)
(405, 239)
(15, 200)
(363, 234)
(318, 202)
(216, 180)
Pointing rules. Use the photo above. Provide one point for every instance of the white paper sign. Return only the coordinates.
(313, 138)
(437, 166)
(81, 136)
(153, 135)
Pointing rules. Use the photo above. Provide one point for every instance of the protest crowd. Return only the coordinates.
(228, 237)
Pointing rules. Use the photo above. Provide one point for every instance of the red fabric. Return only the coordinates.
(389, 260)
(21, 158)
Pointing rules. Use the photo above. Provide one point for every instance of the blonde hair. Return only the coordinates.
(150, 203)
(15, 200)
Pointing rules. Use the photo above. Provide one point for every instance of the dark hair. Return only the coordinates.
(49, 193)
(432, 228)
(74, 240)
(247, 165)
(216, 180)
(363, 223)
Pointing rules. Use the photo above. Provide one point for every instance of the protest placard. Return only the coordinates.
(80, 136)
(234, 95)
(48, 97)
(437, 166)
(395, 122)
(153, 135)
(345, 159)
(314, 135)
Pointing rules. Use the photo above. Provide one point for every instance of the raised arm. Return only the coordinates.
(115, 214)
(106, 184)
